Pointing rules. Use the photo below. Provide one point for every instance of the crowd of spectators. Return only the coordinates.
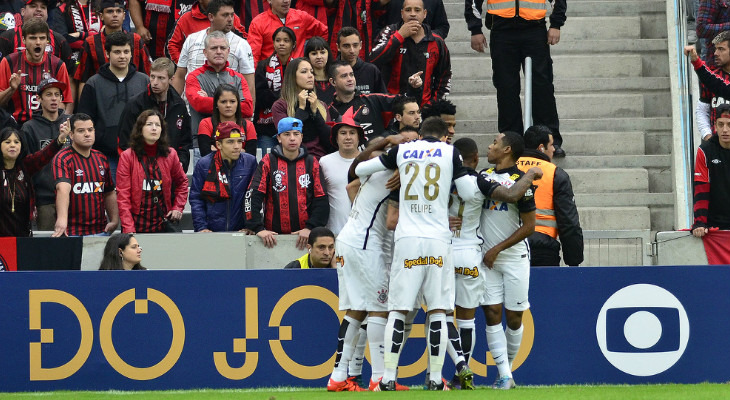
(221, 80)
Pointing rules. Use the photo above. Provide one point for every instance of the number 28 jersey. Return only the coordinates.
(427, 167)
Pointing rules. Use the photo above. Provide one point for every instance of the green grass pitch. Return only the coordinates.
(598, 392)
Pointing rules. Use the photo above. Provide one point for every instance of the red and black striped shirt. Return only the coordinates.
(90, 181)
(94, 56)
(11, 41)
(161, 24)
(25, 100)
(290, 191)
(149, 218)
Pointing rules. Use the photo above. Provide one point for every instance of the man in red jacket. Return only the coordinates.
(263, 26)
(194, 21)
(200, 85)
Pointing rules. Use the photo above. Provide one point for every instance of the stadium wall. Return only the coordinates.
(239, 329)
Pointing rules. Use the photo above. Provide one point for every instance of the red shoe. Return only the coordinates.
(376, 387)
(348, 385)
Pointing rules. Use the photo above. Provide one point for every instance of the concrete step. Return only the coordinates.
(608, 105)
(614, 218)
(623, 199)
(466, 125)
(581, 47)
(575, 28)
(574, 85)
(564, 67)
(584, 8)
(594, 144)
(612, 161)
(610, 180)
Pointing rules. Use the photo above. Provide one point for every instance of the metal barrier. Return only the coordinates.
(619, 248)
(527, 117)
(682, 140)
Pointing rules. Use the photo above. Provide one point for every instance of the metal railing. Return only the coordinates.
(619, 248)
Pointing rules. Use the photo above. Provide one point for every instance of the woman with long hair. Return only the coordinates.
(122, 252)
(318, 52)
(16, 193)
(269, 77)
(226, 107)
(152, 187)
(299, 100)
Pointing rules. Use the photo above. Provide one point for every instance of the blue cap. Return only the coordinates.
(289, 124)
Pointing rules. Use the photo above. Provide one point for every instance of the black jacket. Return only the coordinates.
(493, 22)
(368, 78)
(566, 214)
(104, 99)
(39, 132)
(369, 109)
(435, 17)
(176, 115)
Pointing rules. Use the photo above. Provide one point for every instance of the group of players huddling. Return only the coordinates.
(459, 243)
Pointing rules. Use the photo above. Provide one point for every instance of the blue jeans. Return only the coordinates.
(266, 143)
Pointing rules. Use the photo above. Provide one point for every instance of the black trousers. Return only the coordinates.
(508, 50)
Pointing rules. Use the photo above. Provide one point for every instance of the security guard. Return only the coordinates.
(557, 214)
(518, 31)
(320, 251)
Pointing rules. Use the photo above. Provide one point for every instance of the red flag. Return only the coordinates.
(717, 246)
(8, 254)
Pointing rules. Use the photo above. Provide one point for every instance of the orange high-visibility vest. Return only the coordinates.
(545, 221)
(530, 10)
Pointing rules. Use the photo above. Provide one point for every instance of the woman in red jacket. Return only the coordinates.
(148, 173)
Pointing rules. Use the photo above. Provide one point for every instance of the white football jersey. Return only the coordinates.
(427, 168)
(365, 227)
(470, 213)
(500, 220)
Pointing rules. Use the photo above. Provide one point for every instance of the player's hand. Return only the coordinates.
(394, 182)
(490, 257)
(415, 80)
(144, 32)
(691, 51)
(700, 232)
(60, 229)
(268, 237)
(455, 223)
(553, 36)
(174, 215)
(205, 231)
(111, 227)
(14, 82)
(303, 238)
(64, 131)
(479, 43)
(536, 173)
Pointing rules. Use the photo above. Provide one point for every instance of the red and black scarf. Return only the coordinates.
(215, 187)
(274, 78)
(161, 6)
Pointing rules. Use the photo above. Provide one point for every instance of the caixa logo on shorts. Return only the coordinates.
(428, 260)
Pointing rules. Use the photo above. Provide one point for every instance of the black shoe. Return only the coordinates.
(559, 152)
(437, 386)
(386, 387)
